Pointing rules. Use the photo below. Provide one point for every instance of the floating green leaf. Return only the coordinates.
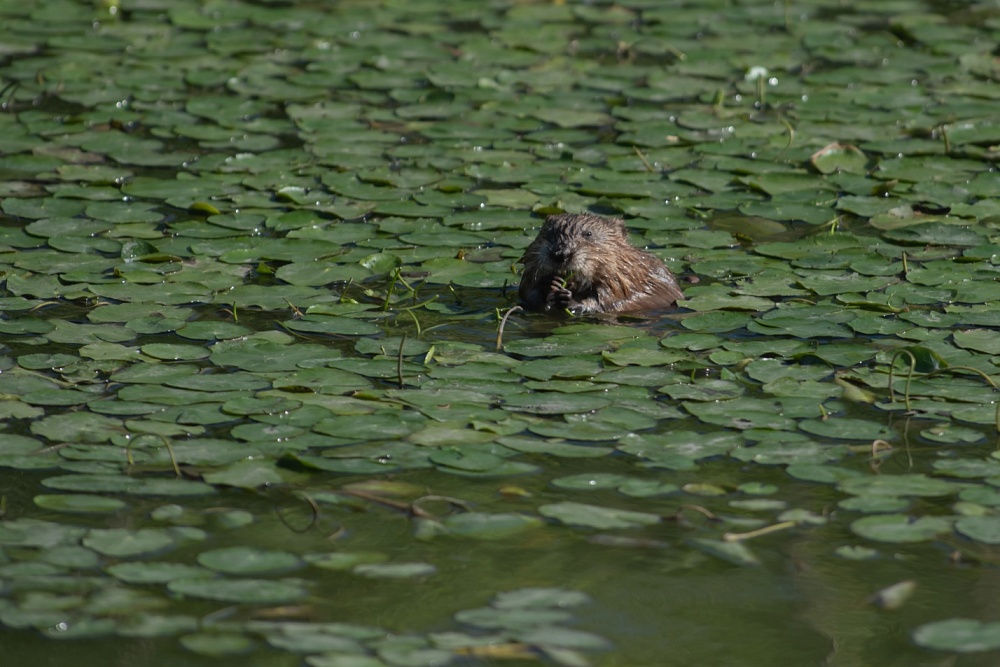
(248, 561)
(963, 635)
(594, 516)
(899, 528)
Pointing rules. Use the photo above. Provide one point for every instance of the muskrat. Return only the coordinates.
(585, 263)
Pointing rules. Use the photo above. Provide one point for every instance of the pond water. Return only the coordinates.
(258, 404)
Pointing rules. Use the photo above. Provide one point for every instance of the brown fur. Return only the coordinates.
(585, 263)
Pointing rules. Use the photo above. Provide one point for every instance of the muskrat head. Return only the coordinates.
(574, 243)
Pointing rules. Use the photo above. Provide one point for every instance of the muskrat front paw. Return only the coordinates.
(562, 299)
(557, 283)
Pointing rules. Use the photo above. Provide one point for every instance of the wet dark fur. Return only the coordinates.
(603, 272)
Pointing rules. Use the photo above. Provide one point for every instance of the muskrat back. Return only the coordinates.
(585, 263)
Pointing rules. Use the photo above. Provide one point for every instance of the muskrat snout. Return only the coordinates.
(560, 255)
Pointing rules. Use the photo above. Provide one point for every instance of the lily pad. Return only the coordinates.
(120, 542)
(79, 503)
(594, 516)
(985, 529)
(489, 526)
(962, 635)
(395, 570)
(248, 561)
(899, 528)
